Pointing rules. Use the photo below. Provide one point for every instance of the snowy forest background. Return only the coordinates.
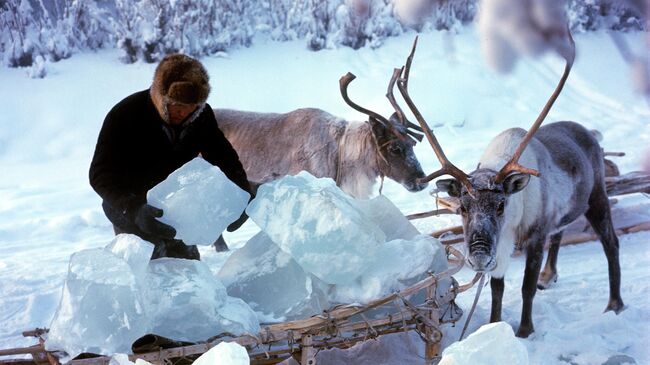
(37, 31)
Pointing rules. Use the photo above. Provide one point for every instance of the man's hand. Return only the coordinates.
(145, 219)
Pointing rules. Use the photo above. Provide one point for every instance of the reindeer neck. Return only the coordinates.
(358, 163)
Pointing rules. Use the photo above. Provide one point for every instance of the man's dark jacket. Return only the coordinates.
(136, 150)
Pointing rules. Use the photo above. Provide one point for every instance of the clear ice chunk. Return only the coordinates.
(101, 309)
(271, 281)
(188, 303)
(199, 201)
(134, 250)
(366, 248)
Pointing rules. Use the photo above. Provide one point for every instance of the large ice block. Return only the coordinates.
(271, 281)
(382, 212)
(101, 309)
(226, 353)
(493, 343)
(365, 248)
(199, 201)
(396, 262)
(318, 225)
(188, 303)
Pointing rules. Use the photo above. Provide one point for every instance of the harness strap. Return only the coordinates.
(471, 311)
(339, 162)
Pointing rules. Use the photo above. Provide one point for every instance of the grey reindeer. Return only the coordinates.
(354, 154)
(501, 205)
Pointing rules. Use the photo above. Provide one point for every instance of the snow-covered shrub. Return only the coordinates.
(126, 24)
(19, 29)
(149, 29)
(589, 15)
(38, 70)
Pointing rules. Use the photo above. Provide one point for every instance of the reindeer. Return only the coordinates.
(273, 145)
(501, 205)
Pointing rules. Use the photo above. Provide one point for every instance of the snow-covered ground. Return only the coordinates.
(48, 129)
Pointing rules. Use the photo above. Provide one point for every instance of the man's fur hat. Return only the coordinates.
(179, 79)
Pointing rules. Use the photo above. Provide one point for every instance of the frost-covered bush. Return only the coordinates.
(52, 30)
(589, 15)
(147, 30)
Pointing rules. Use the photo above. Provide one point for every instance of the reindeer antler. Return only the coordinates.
(398, 110)
(344, 81)
(447, 167)
(513, 164)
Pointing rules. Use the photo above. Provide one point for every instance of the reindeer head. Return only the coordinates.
(397, 158)
(394, 138)
(483, 194)
(484, 211)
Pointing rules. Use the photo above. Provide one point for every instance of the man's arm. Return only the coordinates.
(108, 174)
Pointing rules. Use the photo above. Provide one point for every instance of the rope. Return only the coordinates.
(378, 155)
(339, 163)
(369, 327)
(471, 311)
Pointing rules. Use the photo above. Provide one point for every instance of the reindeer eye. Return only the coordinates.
(395, 149)
(500, 208)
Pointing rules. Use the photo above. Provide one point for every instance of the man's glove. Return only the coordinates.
(238, 223)
(145, 219)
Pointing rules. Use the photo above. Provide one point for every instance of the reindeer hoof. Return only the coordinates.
(524, 331)
(615, 305)
(546, 279)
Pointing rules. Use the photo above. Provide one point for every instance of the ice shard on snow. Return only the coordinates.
(101, 309)
(188, 303)
(272, 282)
(493, 343)
(226, 353)
(365, 248)
(123, 359)
(199, 201)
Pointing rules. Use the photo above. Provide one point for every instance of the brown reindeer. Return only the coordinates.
(272, 145)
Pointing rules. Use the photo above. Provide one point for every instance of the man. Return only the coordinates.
(147, 136)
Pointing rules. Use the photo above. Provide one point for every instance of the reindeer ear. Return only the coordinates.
(449, 186)
(515, 183)
(394, 119)
(378, 128)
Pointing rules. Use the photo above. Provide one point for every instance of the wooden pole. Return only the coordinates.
(308, 356)
(431, 349)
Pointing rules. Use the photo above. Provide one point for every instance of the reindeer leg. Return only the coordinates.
(549, 274)
(534, 257)
(599, 216)
(496, 284)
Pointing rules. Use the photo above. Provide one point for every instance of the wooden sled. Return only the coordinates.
(339, 327)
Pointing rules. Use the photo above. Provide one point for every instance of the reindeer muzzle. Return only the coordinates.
(480, 256)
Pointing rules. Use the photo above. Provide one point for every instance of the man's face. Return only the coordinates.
(178, 112)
